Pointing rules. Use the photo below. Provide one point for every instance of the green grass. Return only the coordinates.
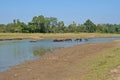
(41, 52)
(101, 64)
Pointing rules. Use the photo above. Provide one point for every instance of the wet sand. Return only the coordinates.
(63, 64)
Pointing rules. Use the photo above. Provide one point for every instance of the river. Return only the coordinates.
(13, 52)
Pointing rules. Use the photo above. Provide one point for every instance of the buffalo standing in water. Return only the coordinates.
(78, 39)
(61, 40)
(68, 40)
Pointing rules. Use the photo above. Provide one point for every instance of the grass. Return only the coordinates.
(53, 35)
(41, 52)
(101, 65)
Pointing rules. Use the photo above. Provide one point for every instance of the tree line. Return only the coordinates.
(41, 24)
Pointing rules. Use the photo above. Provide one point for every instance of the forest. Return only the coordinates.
(42, 24)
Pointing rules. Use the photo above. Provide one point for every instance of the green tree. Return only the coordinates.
(72, 27)
(53, 25)
(81, 28)
(90, 26)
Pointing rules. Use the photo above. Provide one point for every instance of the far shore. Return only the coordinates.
(39, 36)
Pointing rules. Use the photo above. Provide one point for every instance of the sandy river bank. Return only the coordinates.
(63, 64)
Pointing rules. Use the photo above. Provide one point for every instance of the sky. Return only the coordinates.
(99, 11)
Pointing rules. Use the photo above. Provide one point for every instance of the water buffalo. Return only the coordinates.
(78, 39)
(58, 40)
(61, 40)
(67, 39)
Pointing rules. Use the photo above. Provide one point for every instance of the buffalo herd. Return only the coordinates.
(64, 40)
(61, 40)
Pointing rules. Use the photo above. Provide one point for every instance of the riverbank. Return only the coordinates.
(37, 36)
(83, 62)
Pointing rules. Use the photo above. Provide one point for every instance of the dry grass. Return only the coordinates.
(53, 35)
(101, 65)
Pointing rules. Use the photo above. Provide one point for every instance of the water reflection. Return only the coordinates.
(41, 52)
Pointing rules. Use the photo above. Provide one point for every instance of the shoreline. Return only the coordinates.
(56, 38)
(53, 38)
(39, 36)
(58, 64)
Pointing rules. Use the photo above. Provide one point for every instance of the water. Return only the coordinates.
(17, 51)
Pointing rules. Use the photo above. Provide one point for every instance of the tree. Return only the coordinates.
(90, 26)
(81, 28)
(53, 24)
(72, 27)
(41, 24)
(60, 26)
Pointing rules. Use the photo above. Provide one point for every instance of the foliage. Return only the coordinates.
(90, 26)
(42, 24)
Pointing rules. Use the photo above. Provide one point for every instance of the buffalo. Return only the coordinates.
(61, 40)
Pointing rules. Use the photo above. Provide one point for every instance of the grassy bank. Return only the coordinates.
(102, 64)
(53, 35)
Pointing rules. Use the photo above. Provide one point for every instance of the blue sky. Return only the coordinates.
(99, 11)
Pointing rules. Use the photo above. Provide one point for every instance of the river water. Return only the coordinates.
(14, 52)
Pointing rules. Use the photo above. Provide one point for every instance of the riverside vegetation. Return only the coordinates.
(42, 24)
